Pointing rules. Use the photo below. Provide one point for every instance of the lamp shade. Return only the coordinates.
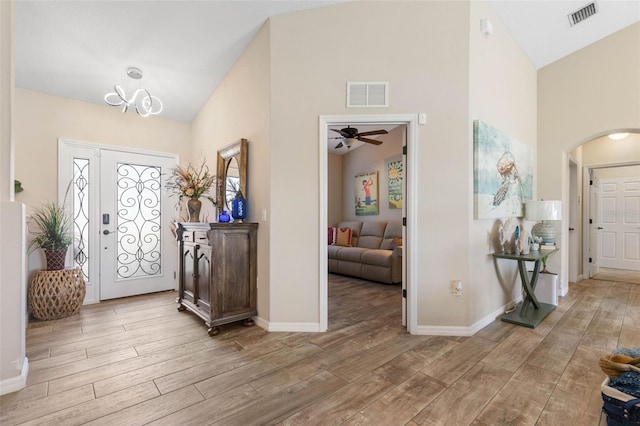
(543, 210)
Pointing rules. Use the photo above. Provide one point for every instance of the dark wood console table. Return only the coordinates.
(218, 272)
(527, 315)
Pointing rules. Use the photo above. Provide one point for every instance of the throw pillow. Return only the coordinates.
(397, 242)
(343, 237)
(331, 235)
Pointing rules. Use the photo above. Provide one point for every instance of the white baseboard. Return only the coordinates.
(428, 330)
(425, 330)
(15, 383)
(304, 327)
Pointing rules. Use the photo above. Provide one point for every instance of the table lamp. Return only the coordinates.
(544, 210)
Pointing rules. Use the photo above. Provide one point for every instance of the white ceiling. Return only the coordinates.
(542, 30)
(80, 49)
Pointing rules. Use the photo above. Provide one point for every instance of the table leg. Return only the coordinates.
(529, 286)
(524, 316)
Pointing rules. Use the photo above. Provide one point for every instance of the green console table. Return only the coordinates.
(531, 312)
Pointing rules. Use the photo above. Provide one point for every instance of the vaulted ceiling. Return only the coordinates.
(80, 49)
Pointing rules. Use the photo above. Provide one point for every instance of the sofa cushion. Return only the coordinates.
(371, 234)
(351, 254)
(392, 235)
(333, 251)
(376, 257)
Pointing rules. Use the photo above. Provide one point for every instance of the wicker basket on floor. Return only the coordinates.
(56, 294)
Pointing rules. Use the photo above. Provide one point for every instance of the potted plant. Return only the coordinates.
(55, 292)
(52, 234)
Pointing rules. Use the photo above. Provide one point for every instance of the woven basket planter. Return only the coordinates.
(56, 294)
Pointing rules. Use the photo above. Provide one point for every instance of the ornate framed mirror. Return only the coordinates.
(232, 173)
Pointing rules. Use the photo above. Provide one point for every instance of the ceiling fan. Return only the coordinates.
(350, 134)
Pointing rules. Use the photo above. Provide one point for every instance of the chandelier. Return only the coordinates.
(145, 104)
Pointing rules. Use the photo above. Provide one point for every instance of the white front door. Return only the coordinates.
(133, 252)
(122, 218)
(619, 212)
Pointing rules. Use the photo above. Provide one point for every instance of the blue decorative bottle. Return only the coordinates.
(224, 217)
(239, 208)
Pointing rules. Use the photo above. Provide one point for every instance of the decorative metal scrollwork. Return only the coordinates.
(138, 221)
(81, 214)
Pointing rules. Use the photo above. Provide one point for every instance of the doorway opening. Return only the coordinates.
(592, 216)
(409, 122)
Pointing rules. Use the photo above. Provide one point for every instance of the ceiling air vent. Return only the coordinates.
(367, 94)
(582, 13)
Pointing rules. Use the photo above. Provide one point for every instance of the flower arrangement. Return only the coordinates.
(191, 182)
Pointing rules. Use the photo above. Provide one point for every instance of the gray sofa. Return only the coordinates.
(375, 253)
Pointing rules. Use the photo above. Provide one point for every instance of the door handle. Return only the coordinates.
(106, 232)
(572, 229)
(599, 227)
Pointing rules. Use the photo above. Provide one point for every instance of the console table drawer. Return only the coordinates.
(195, 237)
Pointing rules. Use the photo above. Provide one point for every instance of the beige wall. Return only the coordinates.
(6, 101)
(370, 158)
(41, 119)
(604, 151)
(581, 97)
(239, 108)
(308, 80)
(618, 172)
(13, 284)
(334, 189)
(503, 94)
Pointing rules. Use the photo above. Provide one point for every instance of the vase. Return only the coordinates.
(55, 259)
(193, 208)
(224, 217)
(239, 208)
(523, 242)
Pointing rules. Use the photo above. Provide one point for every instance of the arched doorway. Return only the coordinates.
(588, 162)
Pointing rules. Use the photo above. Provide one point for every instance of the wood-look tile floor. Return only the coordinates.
(621, 275)
(138, 361)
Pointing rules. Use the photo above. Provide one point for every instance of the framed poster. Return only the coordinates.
(366, 202)
(502, 175)
(395, 179)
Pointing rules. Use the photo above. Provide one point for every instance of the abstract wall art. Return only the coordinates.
(503, 173)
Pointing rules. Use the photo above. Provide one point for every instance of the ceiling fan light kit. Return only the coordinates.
(350, 134)
(144, 103)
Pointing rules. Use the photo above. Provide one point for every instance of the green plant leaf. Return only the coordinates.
(53, 227)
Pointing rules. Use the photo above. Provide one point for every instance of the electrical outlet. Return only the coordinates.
(456, 287)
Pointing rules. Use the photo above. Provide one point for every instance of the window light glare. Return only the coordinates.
(618, 136)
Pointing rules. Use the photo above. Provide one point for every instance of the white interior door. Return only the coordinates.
(121, 218)
(594, 227)
(619, 211)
